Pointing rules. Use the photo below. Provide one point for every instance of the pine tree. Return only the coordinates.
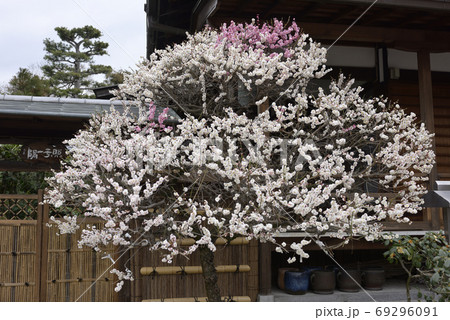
(27, 83)
(70, 62)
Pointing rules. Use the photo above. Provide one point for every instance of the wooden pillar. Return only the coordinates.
(427, 116)
(253, 280)
(136, 261)
(265, 269)
(265, 250)
(41, 260)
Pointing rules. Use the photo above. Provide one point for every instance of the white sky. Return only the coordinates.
(24, 24)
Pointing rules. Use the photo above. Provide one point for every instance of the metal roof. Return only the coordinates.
(63, 107)
(55, 107)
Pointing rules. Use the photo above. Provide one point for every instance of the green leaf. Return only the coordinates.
(435, 278)
(447, 263)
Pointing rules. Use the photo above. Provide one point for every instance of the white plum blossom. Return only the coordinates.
(321, 165)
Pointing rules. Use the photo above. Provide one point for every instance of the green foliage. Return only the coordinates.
(70, 62)
(28, 84)
(112, 78)
(18, 182)
(426, 258)
(10, 152)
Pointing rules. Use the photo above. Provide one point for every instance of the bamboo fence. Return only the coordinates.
(71, 270)
(36, 264)
(182, 280)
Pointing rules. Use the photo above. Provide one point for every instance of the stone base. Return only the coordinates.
(266, 298)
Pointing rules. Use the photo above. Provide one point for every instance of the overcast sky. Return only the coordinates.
(24, 24)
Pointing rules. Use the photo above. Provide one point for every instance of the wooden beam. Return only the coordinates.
(393, 37)
(306, 11)
(241, 6)
(407, 20)
(399, 38)
(412, 4)
(345, 13)
(270, 8)
(153, 25)
(427, 117)
(376, 16)
(21, 166)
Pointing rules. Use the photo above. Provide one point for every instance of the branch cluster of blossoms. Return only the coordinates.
(268, 36)
(321, 164)
(238, 67)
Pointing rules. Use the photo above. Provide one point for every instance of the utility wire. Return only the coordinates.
(105, 31)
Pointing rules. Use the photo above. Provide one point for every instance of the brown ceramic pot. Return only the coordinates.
(323, 281)
(281, 274)
(349, 280)
(373, 278)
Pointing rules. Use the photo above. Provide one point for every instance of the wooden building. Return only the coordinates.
(396, 48)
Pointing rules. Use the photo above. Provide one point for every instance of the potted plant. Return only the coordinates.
(426, 258)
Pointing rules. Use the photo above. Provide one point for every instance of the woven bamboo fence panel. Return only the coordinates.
(75, 273)
(181, 285)
(18, 247)
(17, 261)
(36, 264)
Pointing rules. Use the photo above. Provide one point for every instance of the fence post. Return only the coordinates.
(41, 248)
(38, 256)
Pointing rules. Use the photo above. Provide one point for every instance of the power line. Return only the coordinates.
(105, 31)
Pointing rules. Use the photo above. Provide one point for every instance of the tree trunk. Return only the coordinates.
(209, 274)
(77, 68)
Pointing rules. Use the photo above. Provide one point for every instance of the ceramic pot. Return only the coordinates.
(373, 278)
(323, 281)
(349, 281)
(281, 275)
(296, 282)
(310, 270)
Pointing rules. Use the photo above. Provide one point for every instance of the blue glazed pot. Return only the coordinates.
(296, 282)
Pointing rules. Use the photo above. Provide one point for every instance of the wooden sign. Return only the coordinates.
(43, 152)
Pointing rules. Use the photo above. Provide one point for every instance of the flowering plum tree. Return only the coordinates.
(307, 163)
(237, 67)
